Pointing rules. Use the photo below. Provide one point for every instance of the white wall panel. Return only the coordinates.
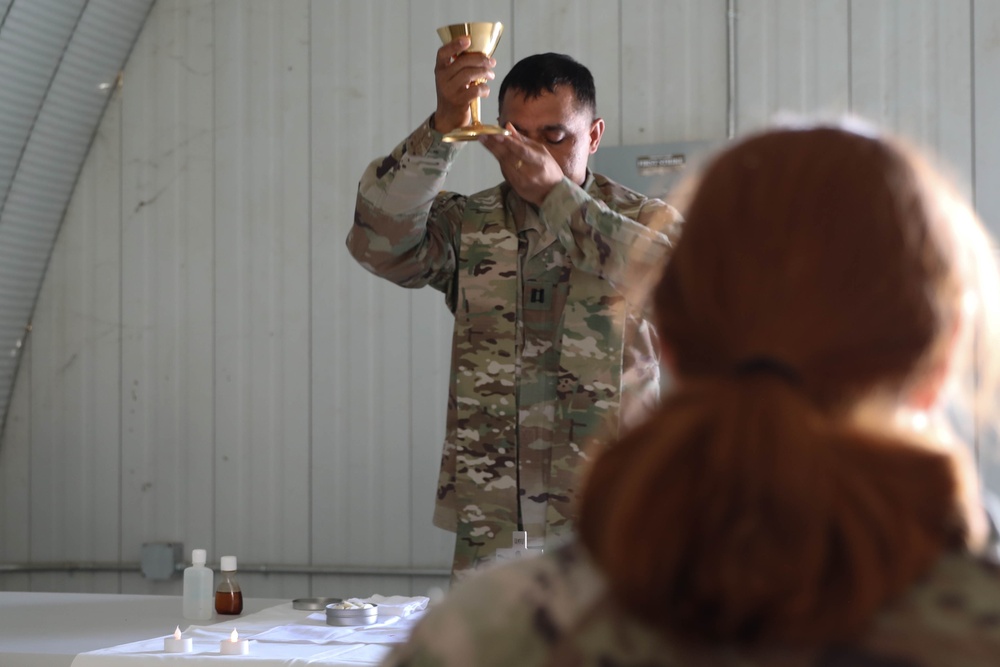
(366, 332)
(261, 208)
(71, 486)
(986, 146)
(209, 365)
(75, 451)
(589, 31)
(986, 169)
(99, 195)
(167, 353)
(792, 58)
(673, 70)
(911, 71)
(15, 479)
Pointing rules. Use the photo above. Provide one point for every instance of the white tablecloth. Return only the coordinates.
(279, 636)
(51, 629)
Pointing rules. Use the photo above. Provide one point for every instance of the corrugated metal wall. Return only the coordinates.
(207, 363)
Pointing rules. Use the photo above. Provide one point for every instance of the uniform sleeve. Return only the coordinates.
(508, 615)
(623, 242)
(405, 227)
(484, 622)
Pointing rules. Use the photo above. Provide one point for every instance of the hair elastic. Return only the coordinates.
(768, 366)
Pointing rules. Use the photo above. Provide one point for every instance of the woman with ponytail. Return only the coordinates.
(797, 499)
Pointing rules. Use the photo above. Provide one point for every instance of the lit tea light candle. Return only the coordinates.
(177, 644)
(234, 645)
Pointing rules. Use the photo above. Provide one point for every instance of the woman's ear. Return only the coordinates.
(667, 358)
(923, 395)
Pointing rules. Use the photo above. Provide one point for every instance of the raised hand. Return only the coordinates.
(526, 164)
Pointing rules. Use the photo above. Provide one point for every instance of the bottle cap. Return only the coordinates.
(198, 556)
(229, 563)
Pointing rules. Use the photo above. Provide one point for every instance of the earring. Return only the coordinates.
(919, 421)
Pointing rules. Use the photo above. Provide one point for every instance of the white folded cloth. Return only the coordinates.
(396, 617)
(394, 630)
(398, 605)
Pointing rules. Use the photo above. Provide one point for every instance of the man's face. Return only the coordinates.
(569, 134)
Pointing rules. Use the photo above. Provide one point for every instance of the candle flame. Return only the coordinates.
(235, 637)
(177, 632)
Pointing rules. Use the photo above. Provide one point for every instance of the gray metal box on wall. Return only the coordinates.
(652, 169)
(161, 560)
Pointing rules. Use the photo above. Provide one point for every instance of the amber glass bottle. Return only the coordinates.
(228, 596)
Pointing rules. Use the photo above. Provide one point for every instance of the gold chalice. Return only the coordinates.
(484, 36)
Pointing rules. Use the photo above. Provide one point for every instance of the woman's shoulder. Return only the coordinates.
(506, 615)
(960, 589)
(554, 609)
(950, 616)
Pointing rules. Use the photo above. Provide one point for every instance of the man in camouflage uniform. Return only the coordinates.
(548, 355)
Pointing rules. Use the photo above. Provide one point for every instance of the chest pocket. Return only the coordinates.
(542, 306)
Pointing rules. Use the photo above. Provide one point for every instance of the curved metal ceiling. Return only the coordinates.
(59, 60)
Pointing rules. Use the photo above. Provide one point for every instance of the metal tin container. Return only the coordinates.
(336, 616)
(314, 604)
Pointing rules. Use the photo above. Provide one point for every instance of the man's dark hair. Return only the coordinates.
(544, 72)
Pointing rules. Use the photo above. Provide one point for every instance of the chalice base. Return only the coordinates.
(471, 132)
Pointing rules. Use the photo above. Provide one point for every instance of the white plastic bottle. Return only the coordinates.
(199, 588)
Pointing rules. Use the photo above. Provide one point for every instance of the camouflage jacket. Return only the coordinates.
(554, 611)
(547, 352)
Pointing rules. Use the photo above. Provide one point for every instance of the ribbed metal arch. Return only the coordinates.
(58, 61)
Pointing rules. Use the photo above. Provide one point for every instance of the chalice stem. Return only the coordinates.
(474, 108)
